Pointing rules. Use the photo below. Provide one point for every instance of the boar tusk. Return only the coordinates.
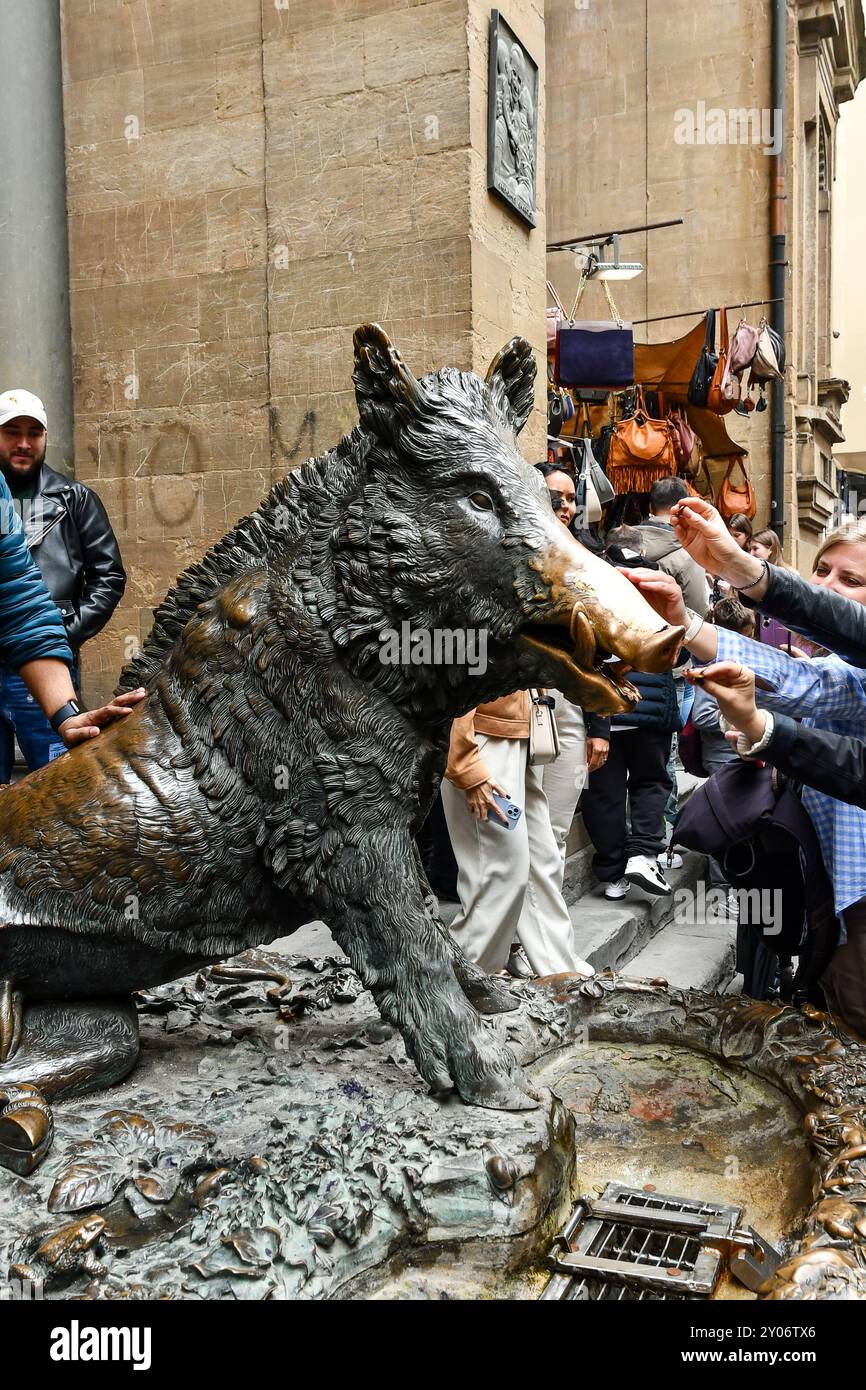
(582, 637)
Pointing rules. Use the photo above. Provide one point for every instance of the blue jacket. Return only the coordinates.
(658, 708)
(31, 626)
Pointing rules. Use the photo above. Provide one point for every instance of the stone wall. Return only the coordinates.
(247, 184)
(849, 289)
(168, 251)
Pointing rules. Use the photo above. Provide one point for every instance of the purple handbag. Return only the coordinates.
(595, 353)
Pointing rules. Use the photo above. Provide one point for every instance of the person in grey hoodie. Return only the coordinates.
(660, 543)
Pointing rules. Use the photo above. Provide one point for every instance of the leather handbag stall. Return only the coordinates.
(595, 353)
(589, 462)
(587, 501)
(735, 499)
(743, 347)
(768, 363)
(684, 438)
(555, 317)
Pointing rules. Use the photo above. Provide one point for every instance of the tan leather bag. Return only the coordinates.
(641, 451)
(734, 499)
(724, 392)
(702, 483)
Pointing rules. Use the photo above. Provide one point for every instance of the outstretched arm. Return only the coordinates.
(50, 684)
(831, 763)
(826, 687)
(834, 621)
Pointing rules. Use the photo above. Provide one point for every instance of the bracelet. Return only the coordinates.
(65, 712)
(765, 574)
(693, 628)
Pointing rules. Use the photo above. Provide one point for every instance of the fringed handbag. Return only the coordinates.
(641, 451)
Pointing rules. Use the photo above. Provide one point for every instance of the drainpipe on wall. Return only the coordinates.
(35, 339)
(777, 261)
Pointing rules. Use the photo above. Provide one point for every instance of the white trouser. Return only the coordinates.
(506, 877)
(564, 780)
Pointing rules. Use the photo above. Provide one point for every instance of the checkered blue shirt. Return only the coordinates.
(825, 693)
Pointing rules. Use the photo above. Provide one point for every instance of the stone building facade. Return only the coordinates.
(634, 94)
(246, 184)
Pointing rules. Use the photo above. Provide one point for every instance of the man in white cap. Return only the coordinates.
(72, 542)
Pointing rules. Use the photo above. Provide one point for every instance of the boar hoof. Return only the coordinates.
(489, 997)
(490, 1076)
(499, 1093)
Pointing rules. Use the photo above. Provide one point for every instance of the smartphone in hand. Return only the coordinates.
(508, 808)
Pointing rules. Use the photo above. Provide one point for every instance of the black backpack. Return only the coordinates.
(752, 820)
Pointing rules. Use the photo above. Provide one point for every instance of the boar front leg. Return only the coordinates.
(486, 994)
(376, 914)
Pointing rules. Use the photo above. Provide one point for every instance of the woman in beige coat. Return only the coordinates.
(505, 876)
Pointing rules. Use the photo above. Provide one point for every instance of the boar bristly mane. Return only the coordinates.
(369, 535)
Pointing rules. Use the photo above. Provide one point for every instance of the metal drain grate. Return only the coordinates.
(630, 1245)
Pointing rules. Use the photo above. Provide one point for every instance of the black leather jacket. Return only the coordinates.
(71, 540)
(831, 763)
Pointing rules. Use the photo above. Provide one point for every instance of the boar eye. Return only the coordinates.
(481, 501)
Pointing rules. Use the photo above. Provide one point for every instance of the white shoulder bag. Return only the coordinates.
(543, 735)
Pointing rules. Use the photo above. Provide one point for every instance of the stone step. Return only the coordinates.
(610, 934)
(579, 877)
(699, 956)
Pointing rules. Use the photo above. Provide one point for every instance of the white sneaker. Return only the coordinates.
(645, 873)
(676, 860)
(617, 889)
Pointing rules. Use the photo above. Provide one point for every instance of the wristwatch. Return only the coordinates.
(65, 712)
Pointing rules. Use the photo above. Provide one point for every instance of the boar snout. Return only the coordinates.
(636, 646)
(593, 613)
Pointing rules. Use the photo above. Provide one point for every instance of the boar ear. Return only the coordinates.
(511, 378)
(386, 391)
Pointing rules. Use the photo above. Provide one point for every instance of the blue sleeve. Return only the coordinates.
(31, 625)
(705, 711)
(826, 687)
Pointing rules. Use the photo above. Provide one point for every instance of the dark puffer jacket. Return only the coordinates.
(658, 707)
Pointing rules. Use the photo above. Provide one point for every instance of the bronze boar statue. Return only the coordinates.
(279, 768)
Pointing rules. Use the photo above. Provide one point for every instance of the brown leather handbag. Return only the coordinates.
(684, 441)
(724, 392)
(641, 451)
(701, 483)
(734, 499)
